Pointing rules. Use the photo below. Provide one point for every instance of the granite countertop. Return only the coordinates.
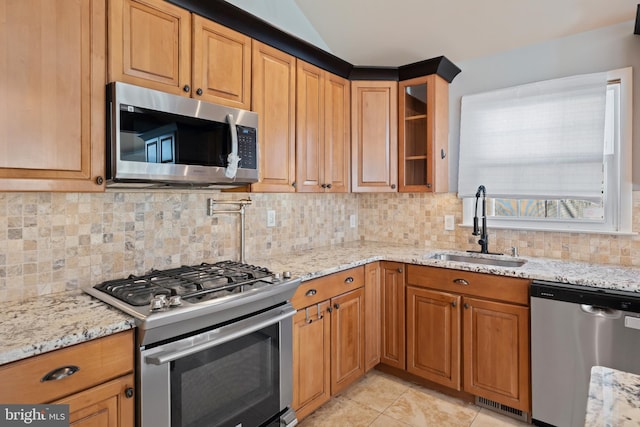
(47, 323)
(50, 322)
(614, 398)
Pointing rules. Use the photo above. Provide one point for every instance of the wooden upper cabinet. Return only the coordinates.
(423, 123)
(374, 136)
(52, 95)
(273, 98)
(322, 130)
(150, 45)
(221, 64)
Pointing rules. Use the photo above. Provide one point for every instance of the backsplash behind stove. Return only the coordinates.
(50, 242)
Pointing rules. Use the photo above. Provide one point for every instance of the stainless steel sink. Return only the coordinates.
(479, 259)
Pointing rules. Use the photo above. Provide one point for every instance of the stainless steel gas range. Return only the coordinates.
(214, 344)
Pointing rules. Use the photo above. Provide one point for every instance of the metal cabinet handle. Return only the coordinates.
(348, 280)
(60, 373)
(306, 315)
(310, 293)
(466, 306)
(453, 304)
(128, 393)
(199, 92)
(461, 282)
(336, 306)
(186, 88)
(329, 186)
(399, 270)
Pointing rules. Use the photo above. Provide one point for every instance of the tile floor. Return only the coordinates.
(381, 400)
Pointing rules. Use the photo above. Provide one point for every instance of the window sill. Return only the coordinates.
(554, 230)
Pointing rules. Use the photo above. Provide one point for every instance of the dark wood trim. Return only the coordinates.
(242, 21)
(374, 73)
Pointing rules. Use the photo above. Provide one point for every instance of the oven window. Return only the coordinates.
(231, 384)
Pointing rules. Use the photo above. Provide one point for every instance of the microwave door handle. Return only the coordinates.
(232, 158)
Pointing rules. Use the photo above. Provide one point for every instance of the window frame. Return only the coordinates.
(618, 203)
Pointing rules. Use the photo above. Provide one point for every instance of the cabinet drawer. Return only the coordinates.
(509, 289)
(323, 288)
(98, 361)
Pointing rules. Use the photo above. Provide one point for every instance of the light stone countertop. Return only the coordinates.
(50, 322)
(614, 398)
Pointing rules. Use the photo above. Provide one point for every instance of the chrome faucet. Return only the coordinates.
(484, 236)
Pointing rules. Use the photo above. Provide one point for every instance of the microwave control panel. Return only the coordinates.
(247, 147)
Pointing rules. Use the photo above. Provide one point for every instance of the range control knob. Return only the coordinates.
(158, 302)
(277, 276)
(286, 275)
(175, 301)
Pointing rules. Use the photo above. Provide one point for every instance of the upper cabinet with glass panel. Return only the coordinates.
(423, 107)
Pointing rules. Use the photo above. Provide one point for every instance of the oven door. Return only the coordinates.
(239, 374)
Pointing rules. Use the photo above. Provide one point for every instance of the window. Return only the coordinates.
(557, 158)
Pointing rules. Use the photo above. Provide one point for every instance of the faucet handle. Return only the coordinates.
(514, 251)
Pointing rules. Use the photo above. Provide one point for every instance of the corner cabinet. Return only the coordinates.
(374, 136)
(273, 98)
(155, 44)
(100, 392)
(423, 123)
(328, 338)
(322, 131)
(52, 95)
(470, 331)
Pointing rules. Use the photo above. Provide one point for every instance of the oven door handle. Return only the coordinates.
(223, 335)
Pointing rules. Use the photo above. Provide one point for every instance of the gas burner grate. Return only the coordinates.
(204, 281)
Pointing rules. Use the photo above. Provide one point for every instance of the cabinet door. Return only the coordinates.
(273, 98)
(392, 315)
(347, 339)
(107, 405)
(496, 347)
(423, 129)
(433, 336)
(374, 136)
(310, 144)
(52, 95)
(337, 135)
(371, 315)
(311, 358)
(221, 64)
(150, 45)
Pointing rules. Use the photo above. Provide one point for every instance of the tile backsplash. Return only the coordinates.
(50, 242)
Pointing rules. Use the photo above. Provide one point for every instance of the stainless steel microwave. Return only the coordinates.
(156, 139)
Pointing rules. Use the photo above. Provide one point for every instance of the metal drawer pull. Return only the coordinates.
(348, 280)
(461, 282)
(310, 293)
(306, 315)
(320, 316)
(60, 373)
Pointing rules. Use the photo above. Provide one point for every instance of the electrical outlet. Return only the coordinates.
(352, 221)
(449, 223)
(271, 218)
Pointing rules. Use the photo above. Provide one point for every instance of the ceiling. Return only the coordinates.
(393, 33)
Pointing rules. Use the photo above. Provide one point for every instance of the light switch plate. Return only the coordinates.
(352, 221)
(271, 218)
(449, 223)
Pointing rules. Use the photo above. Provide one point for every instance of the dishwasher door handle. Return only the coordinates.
(594, 310)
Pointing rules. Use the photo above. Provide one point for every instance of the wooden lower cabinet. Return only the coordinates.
(392, 314)
(106, 405)
(433, 336)
(311, 359)
(99, 393)
(328, 338)
(372, 323)
(470, 331)
(496, 343)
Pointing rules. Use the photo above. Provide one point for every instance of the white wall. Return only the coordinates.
(603, 49)
(286, 15)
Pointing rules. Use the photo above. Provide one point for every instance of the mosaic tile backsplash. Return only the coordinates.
(50, 242)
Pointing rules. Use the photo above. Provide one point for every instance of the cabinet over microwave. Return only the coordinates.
(156, 139)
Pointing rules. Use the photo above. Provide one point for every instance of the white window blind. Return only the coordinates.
(543, 140)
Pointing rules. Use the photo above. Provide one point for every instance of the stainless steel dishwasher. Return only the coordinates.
(572, 329)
